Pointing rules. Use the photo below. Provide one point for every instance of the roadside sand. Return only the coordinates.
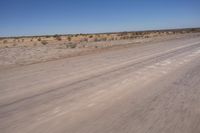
(23, 55)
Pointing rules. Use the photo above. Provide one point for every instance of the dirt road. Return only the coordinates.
(151, 88)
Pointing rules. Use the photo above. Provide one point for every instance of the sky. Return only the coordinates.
(46, 17)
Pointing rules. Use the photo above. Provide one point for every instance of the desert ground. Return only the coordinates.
(18, 51)
(147, 83)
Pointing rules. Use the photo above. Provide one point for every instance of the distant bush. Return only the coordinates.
(47, 36)
(39, 39)
(84, 40)
(69, 38)
(122, 37)
(96, 39)
(71, 45)
(14, 44)
(103, 39)
(44, 42)
(137, 33)
(58, 38)
(76, 35)
(5, 41)
(91, 36)
(112, 38)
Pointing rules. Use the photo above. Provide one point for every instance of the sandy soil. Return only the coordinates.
(28, 54)
(146, 88)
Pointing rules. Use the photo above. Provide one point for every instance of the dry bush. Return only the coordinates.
(137, 33)
(5, 41)
(58, 38)
(76, 35)
(71, 45)
(44, 42)
(110, 39)
(131, 37)
(122, 37)
(69, 38)
(91, 36)
(39, 39)
(103, 39)
(96, 39)
(84, 40)
(47, 36)
(14, 44)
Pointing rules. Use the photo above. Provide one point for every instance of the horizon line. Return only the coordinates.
(114, 32)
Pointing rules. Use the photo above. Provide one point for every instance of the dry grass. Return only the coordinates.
(84, 38)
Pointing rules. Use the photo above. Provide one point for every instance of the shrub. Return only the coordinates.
(44, 42)
(71, 45)
(47, 36)
(5, 41)
(103, 39)
(91, 36)
(76, 35)
(14, 44)
(111, 39)
(84, 40)
(96, 39)
(39, 39)
(69, 38)
(58, 38)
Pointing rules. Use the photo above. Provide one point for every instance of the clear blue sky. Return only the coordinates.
(36, 17)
